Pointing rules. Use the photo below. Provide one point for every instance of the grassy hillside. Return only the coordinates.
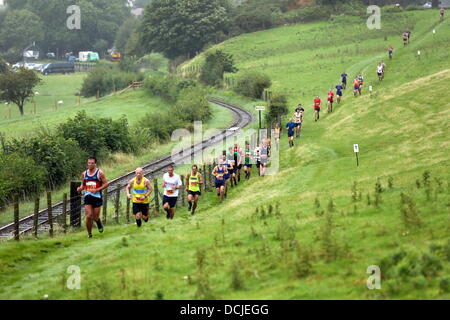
(312, 230)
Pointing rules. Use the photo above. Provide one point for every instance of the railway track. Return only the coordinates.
(242, 118)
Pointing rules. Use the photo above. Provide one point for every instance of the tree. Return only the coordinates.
(216, 64)
(278, 107)
(124, 33)
(17, 87)
(3, 66)
(19, 29)
(180, 27)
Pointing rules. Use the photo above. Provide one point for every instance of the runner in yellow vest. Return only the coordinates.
(193, 182)
(138, 190)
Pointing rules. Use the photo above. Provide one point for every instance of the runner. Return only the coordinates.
(257, 154)
(408, 34)
(233, 168)
(277, 133)
(339, 89)
(141, 190)
(361, 83)
(442, 12)
(94, 181)
(248, 160)
(384, 67)
(317, 103)
(380, 71)
(356, 88)
(290, 126)
(298, 119)
(238, 161)
(405, 39)
(344, 80)
(330, 100)
(227, 176)
(390, 51)
(171, 184)
(193, 182)
(265, 152)
(219, 172)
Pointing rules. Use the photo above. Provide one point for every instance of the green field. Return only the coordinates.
(307, 232)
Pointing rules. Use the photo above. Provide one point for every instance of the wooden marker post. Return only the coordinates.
(356, 149)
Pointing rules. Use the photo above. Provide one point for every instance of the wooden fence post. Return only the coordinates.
(183, 195)
(105, 204)
(209, 177)
(36, 216)
(16, 217)
(64, 213)
(128, 210)
(156, 191)
(75, 205)
(50, 212)
(117, 204)
(205, 183)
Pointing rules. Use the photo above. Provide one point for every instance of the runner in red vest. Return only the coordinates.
(330, 100)
(317, 103)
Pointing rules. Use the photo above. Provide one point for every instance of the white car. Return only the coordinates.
(428, 5)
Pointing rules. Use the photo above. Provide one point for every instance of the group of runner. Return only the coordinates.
(139, 189)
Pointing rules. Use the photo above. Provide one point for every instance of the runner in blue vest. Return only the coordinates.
(94, 181)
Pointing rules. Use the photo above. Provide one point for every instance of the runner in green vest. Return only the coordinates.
(193, 182)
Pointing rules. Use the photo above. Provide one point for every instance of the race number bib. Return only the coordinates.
(90, 186)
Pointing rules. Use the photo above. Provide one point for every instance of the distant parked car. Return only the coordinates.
(51, 55)
(18, 65)
(428, 5)
(73, 59)
(58, 67)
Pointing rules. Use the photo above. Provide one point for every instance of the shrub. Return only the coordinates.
(19, 175)
(192, 105)
(105, 78)
(252, 84)
(216, 64)
(163, 86)
(277, 108)
(98, 136)
(154, 61)
(62, 159)
(159, 126)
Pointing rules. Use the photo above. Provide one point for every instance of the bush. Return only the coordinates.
(278, 107)
(252, 84)
(105, 78)
(62, 159)
(192, 105)
(159, 126)
(98, 137)
(19, 175)
(154, 61)
(216, 64)
(163, 86)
